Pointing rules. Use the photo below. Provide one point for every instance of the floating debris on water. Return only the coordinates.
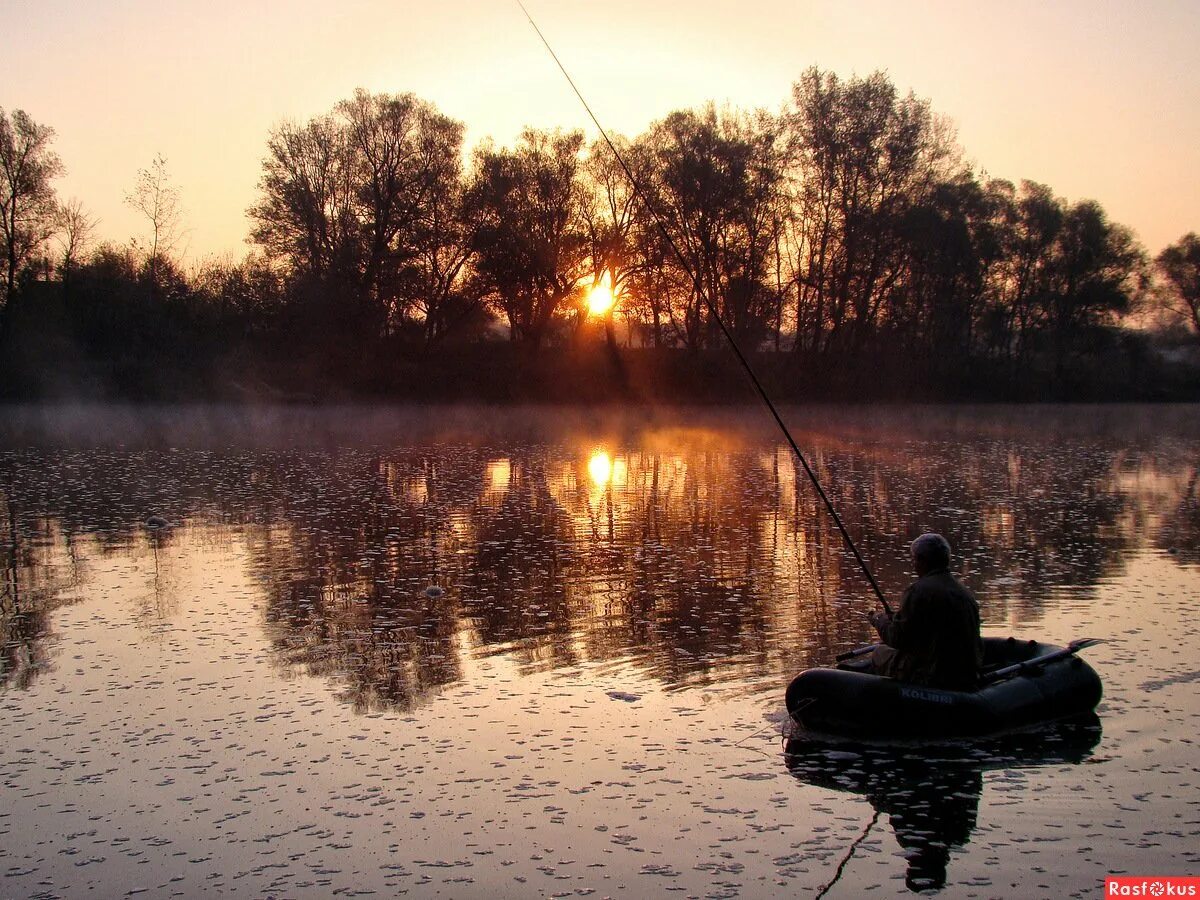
(623, 695)
(397, 668)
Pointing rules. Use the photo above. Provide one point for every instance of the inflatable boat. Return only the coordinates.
(1024, 683)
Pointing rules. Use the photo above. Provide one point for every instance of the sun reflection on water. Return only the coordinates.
(600, 467)
(499, 474)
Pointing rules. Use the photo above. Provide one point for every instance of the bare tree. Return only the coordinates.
(27, 166)
(76, 228)
(156, 198)
(435, 282)
(305, 218)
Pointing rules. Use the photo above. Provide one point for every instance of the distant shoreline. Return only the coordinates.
(501, 373)
(274, 427)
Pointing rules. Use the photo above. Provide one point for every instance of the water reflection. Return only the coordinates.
(1179, 531)
(33, 588)
(931, 795)
(694, 556)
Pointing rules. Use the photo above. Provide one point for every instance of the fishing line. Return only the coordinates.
(759, 750)
(841, 869)
(770, 725)
(716, 316)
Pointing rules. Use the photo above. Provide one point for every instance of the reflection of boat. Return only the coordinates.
(1029, 683)
(931, 794)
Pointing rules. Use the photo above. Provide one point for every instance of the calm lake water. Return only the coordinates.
(511, 653)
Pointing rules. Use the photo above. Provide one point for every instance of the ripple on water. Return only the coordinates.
(462, 665)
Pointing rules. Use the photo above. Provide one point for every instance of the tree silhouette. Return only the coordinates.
(847, 229)
(351, 201)
(157, 199)
(75, 230)
(1179, 265)
(715, 181)
(531, 249)
(609, 215)
(27, 167)
(862, 157)
(1093, 276)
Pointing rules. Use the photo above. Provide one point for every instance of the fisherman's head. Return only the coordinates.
(930, 552)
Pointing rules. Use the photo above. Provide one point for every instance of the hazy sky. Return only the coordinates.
(1097, 99)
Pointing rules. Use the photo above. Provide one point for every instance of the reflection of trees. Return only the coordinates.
(1023, 519)
(684, 585)
(1179, 531)
(32, 589)
(387, 654)
(518, 571)
(354, 573)
(690, 557)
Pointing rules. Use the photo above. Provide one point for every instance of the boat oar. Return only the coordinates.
(856, 652)
(998, 674)
(1038, 662)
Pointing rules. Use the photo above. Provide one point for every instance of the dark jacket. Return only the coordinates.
(936, 634)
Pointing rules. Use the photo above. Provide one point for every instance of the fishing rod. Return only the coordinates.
(716, 316)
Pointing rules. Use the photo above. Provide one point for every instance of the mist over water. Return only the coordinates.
(542, 652)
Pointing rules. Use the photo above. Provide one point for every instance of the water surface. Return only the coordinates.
(519, 653)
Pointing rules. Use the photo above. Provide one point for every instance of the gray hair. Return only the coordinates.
(933, 550)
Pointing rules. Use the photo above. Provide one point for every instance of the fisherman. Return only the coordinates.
(933, 640)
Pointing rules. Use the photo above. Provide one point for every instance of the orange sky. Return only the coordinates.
(1097, 99)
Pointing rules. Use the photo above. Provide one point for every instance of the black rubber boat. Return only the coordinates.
(1025, 683)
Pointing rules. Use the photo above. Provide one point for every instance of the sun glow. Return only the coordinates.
(600, 467)
(601, 297)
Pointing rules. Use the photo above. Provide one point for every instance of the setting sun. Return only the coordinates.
(601, 297)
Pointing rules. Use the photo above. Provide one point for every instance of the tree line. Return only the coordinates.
(844, 229)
